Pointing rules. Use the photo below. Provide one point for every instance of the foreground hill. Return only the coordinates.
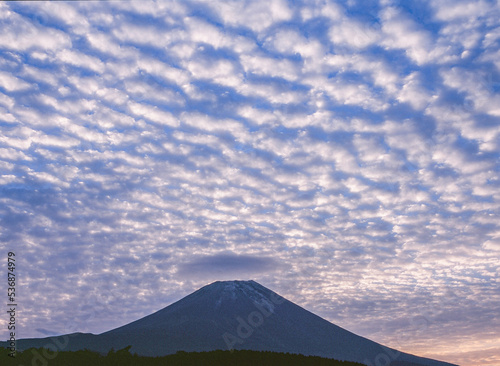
(235, 315)
(124, 358)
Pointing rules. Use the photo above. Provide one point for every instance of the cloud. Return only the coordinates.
(226, 266)
(352, 33)
(402, 32)
(290, 42)
(80, 60)
(414, 93)
(23, 35)
(269, 66)
(463, 9)
(11, 83)
(153, 114)
(255, 15)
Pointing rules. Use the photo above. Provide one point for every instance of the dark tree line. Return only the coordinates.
(44, 357)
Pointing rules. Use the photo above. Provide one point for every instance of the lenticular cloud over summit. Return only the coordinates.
(344, 153)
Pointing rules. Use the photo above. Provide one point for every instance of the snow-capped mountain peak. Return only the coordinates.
(229, 315)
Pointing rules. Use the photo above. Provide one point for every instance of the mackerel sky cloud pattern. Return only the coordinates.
(344, 154)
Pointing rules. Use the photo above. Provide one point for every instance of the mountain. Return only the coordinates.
(235, 315)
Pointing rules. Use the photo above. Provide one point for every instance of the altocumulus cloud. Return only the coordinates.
(341, 153)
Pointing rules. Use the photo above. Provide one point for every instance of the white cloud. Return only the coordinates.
(476, 87)
(162, 70)
(352, 33)
(348, 93)
(414, 93)
(21, 35)
(80, 60)
(65, 13)
(13, 154)
(269, 66)
(153, 113)
(222, 72)
(39, 75)
(291, 42)
(256, 115)
(105, 44)
(253, 14)
(12, 83)
(458, 10)
(401, 32)
(141, 90)
(203, 32)
(406, 137)
(112, 95)
(380, 73)
(166, 9)
(321, 8)
(148, 35)
(6, 101)
(206, 123)
(492, 244)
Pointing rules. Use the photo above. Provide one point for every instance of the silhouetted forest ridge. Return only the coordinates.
(124, 357)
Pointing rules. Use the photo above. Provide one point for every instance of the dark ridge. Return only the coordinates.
(123, 357)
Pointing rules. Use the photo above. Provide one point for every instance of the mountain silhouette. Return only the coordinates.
(239, 315)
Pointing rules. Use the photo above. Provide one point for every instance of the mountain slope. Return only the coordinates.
(239, 315)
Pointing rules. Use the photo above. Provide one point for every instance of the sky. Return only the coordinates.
(345, 154)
